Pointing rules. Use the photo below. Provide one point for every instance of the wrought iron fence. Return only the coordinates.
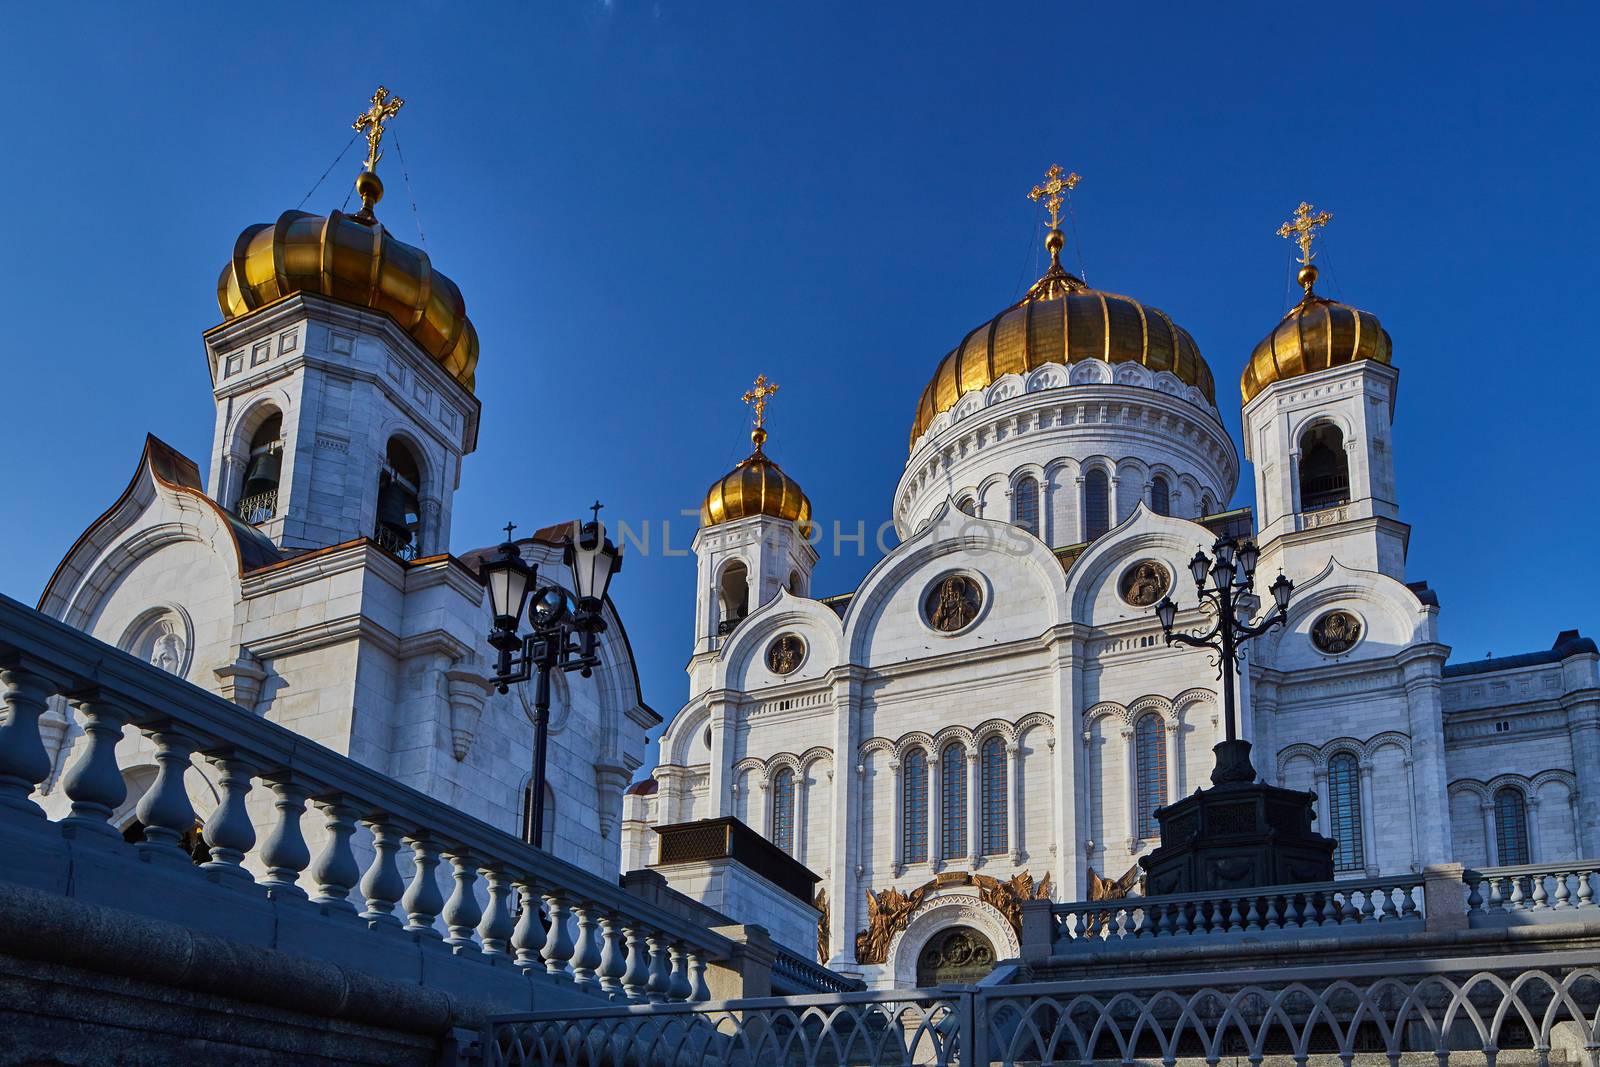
(1469, 1011)
(257, 508)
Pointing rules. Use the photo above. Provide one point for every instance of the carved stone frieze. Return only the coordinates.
(889, 911)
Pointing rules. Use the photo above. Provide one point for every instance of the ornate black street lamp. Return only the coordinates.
(1231, 598)
(550, 644)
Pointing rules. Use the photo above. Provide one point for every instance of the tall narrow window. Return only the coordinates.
(1096, 504)
(733, 597)
(914, 808)
(952, 802)
(1344, 812)
(1324, 469)
(1208, 506)
(783, 810)
(1150, 755)
(1025, 505)
(399, 525)
(993, 769)
(1511, 826)
(967, 506)
(1160, 496)
(258, 497)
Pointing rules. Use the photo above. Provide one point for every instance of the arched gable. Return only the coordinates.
(1392, 618)
(1092, 582)
(741, 664)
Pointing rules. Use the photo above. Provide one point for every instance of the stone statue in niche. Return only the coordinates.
(1336, 632)
(167, 653)
(785, 653)
(953, 603)
(1144, 583)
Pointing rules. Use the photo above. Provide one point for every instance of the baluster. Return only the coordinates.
(636, 977)
(678, 987)
(1252, 914)
(1408, 902)
(1152, 920)
(1382, 904)
(1563, 894)
(23, 761)
(164, 810)
(1186, 914)
(335, 871)
(586, 955)
(613, 956)
(95, 783)
(1368, 907)
(1235, 916)
(1585, 891)
(382, 885)
(462, 911)
(229, 834)
(529, 936)
(660, 967)
(496, 927)
(1496, 895)
(423, 902)
(1474, 893)
(1518, 901)
(284, 851)
(699, 991)
(1274, 917)
(1541, 899)
(558, 944)
(1330, 910)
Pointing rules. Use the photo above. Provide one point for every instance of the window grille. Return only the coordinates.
(1344, 812)
(953, 803)
(993, 767)
(1096, 504)
(783, 811)
(1025, 505)
(1160, 496)
(1150, 752)
(914, 808)
(1511, 826)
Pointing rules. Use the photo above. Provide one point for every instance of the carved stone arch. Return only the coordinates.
(1468, 786)
(782, 761)
(1351, 745)
(991, 727)
(1105, 709)
(1309, 422)
(914, 739)
(1089, 372)
(813, 755)
(993, 483)
(1005, 387)
(1299, 750)
(874, 744)
(430, 464)
(1026, 470)
(749, 765)
(1151, 702)
(1554, 774)
(1134, 465)
(1049, 376)
(951, 734)
(1191, 697)
(257, 410)
(1520, 782)
(1036, 718)
(955, 909)
(1386, 738)
(1103, 463)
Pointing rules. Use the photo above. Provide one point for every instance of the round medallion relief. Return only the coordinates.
(952, 603)
(1144, 583)
(785, 653)
(1335, 632)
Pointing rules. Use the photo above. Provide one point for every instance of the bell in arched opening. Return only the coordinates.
(399, 508)
(258, 498)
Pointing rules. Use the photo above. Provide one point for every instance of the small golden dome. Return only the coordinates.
(1061, 320)
(354, 259)
(757, 486)
(1316, 334)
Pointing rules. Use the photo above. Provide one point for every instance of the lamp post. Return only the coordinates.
(561, 637)
(1232, 570)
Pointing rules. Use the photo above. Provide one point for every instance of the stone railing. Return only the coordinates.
(526, 913)
(796, 975)
(1536, 892)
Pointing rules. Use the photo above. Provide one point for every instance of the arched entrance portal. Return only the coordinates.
(959, 954)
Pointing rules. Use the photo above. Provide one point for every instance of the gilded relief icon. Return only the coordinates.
(1336, 632)
(1144, 583)
(785, 653)
(953, 603)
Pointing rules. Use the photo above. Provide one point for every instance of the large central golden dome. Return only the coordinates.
(1061, 320)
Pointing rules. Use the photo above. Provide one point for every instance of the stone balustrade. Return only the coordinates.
(510, 905)
(1535, 892)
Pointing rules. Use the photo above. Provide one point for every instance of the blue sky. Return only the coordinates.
(645, 204)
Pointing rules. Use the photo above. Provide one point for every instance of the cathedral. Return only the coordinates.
(994, 714)
(308, 578)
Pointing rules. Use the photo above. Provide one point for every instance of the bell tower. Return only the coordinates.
(343, 378)
(754, 536)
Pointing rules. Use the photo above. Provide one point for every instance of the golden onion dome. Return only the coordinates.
(1316, 334)
(352, 258)
(757, 486)
(1061, 320)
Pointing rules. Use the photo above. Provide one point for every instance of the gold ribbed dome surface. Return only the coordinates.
(1062, 320)
(757, 486)
(352, 258)
(1316, 334)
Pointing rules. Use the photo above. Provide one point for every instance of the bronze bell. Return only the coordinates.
(261, 476)
(395, 506)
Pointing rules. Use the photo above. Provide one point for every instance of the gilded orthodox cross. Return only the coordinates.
(371, 120)
(757, 398)
(1302, 229)
(1050, 192)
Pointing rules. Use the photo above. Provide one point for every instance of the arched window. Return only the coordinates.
(783, 810)
(1025, 505)
(1096, 504)
(399, 522)
(1160, 496)
(1324, 468)
(967, 505)
(952, 802)
(1344, 812)
(1208, 505)
(914, 808)
(992, 766)
(258, 496)
(1150, 755)
(797, 584)
(734, 596)
(1511, 826)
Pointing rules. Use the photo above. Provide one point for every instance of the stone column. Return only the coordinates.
(1069, 767)
(1491, 846)
(1130, 764)
(1172, 762)
(1421, 666)
(1263, 717)
(1080, 528)
(1583, 733)
(935, 812)
(974, 808)
(1319, 780)
(721, 784)
(1411, 807)
(1013, 801)
(1535, 838)
(897, 809)
(843, 884)
(802, 794)
(1369, 836)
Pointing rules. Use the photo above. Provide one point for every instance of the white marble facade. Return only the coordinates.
(303, 619)
(1059, 679)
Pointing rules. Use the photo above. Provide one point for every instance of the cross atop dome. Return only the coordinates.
(1050, 192)
(371, 122)
(758, 397)
(1302, 229)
